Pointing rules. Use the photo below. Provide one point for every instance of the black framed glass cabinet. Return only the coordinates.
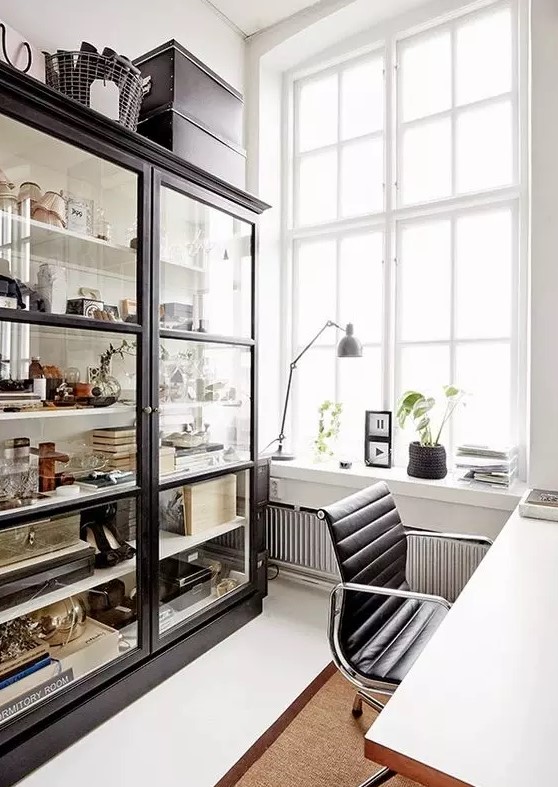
(128, 538)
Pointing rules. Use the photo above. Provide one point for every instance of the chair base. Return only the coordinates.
(381, 777)
(361, 697)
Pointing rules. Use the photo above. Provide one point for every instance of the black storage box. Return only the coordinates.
(34, 577)
(183, 583)
(190, 110)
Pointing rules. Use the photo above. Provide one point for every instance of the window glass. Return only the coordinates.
(317, 113)
(425, 68)
(362, 98)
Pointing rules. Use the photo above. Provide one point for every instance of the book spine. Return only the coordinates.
(26, 672)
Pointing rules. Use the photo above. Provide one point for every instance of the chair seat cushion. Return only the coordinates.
(391, 652)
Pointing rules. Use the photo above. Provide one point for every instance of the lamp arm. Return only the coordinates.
(293, 365)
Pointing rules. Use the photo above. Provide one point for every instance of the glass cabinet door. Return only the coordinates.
(205, 407)
(70, 347)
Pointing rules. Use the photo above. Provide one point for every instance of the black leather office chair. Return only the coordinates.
(378, 624)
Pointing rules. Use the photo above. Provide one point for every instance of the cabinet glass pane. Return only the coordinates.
(203, 545)
(206, 266)
(67, 601)
(67, 414)
(68, 228)
(204, 407)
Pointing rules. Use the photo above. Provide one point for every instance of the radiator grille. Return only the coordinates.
(300, 540)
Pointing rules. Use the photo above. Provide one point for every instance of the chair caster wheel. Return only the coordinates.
(356, 713)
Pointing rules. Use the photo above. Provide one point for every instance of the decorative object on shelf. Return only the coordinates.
(75, 74)
(102, 228)
(6, 56)
(109, 604)
(18, 474)
(28, 197)
(8, 203)
(48, 456)
(112, 313)
(208, 504)
(30, 540)
(12, 286)
(177, 315)
(5, 301)
(52, 286)
(378, 438)
(106, 480)
(349, 347)
(226, 586)
(79, 214)
(106, 386)
(427, 457)
(35, 368)
(171, 511)
(51, 209)
(5, 184)
(117, 446)
(329, 423)
(61, 622)
(183, 582)
(99, 529)
(84, 307)
(129, 309)
(345, 464)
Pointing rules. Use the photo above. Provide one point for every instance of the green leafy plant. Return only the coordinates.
(126, 348)
(328, 427)
(416, 406)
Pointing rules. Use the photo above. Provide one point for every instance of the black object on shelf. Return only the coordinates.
(183, 583)
(6, 56)
(190, 110)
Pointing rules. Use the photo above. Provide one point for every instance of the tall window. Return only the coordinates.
(406, 221)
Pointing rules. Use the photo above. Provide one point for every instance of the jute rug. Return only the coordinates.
(315, 743)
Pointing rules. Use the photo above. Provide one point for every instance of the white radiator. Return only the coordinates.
(299, 541)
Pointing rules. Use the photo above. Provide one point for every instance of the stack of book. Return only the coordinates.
(193, 460)
(19, 399)
(487, 464)
(117, 445)
(14, 671)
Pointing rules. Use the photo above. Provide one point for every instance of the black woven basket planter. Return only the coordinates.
(427, 461)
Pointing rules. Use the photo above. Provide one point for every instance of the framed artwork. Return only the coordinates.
(378, 438)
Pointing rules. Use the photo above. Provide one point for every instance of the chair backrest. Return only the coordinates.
(370, 545)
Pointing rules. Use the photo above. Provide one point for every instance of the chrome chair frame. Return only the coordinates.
(363, 684)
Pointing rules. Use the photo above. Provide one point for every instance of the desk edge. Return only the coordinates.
(412, 769)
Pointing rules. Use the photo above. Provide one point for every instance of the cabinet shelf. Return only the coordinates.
(66, 412)
(53, 320)
(170, 544)
(56, 243)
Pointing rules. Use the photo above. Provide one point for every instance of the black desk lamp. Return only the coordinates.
(348, 347)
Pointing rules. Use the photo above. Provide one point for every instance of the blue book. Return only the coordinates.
(44, 662)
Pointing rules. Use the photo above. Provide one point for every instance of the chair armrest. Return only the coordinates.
(480, 540)
(382, 591)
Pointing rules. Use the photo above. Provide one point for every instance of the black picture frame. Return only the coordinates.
(378, 436)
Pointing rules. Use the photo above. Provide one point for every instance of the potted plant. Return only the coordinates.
(427, 457)
(328, 428)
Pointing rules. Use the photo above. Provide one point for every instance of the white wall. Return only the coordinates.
(131, 27)
(544, 244)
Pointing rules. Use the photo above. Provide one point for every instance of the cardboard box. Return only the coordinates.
(209, 504)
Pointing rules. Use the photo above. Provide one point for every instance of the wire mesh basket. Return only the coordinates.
(73, 73)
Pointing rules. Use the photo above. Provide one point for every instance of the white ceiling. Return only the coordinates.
(253, 15)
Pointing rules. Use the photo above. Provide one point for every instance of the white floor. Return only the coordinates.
(193, 727)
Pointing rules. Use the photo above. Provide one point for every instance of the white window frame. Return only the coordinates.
(395, 215)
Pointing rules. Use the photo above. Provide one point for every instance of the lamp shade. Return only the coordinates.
(349, 346)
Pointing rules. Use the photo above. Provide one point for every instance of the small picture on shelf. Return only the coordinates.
(171, 503)
(112, 312)
(129, 309)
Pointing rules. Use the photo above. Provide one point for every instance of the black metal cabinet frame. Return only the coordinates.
(35, 736)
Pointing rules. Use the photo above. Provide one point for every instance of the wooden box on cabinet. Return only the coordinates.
(209, 504)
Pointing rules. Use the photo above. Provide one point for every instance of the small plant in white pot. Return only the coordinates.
(427, 456)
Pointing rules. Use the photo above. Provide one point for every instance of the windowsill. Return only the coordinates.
(448, 490)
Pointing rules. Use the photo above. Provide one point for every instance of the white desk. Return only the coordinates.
(480, 706)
